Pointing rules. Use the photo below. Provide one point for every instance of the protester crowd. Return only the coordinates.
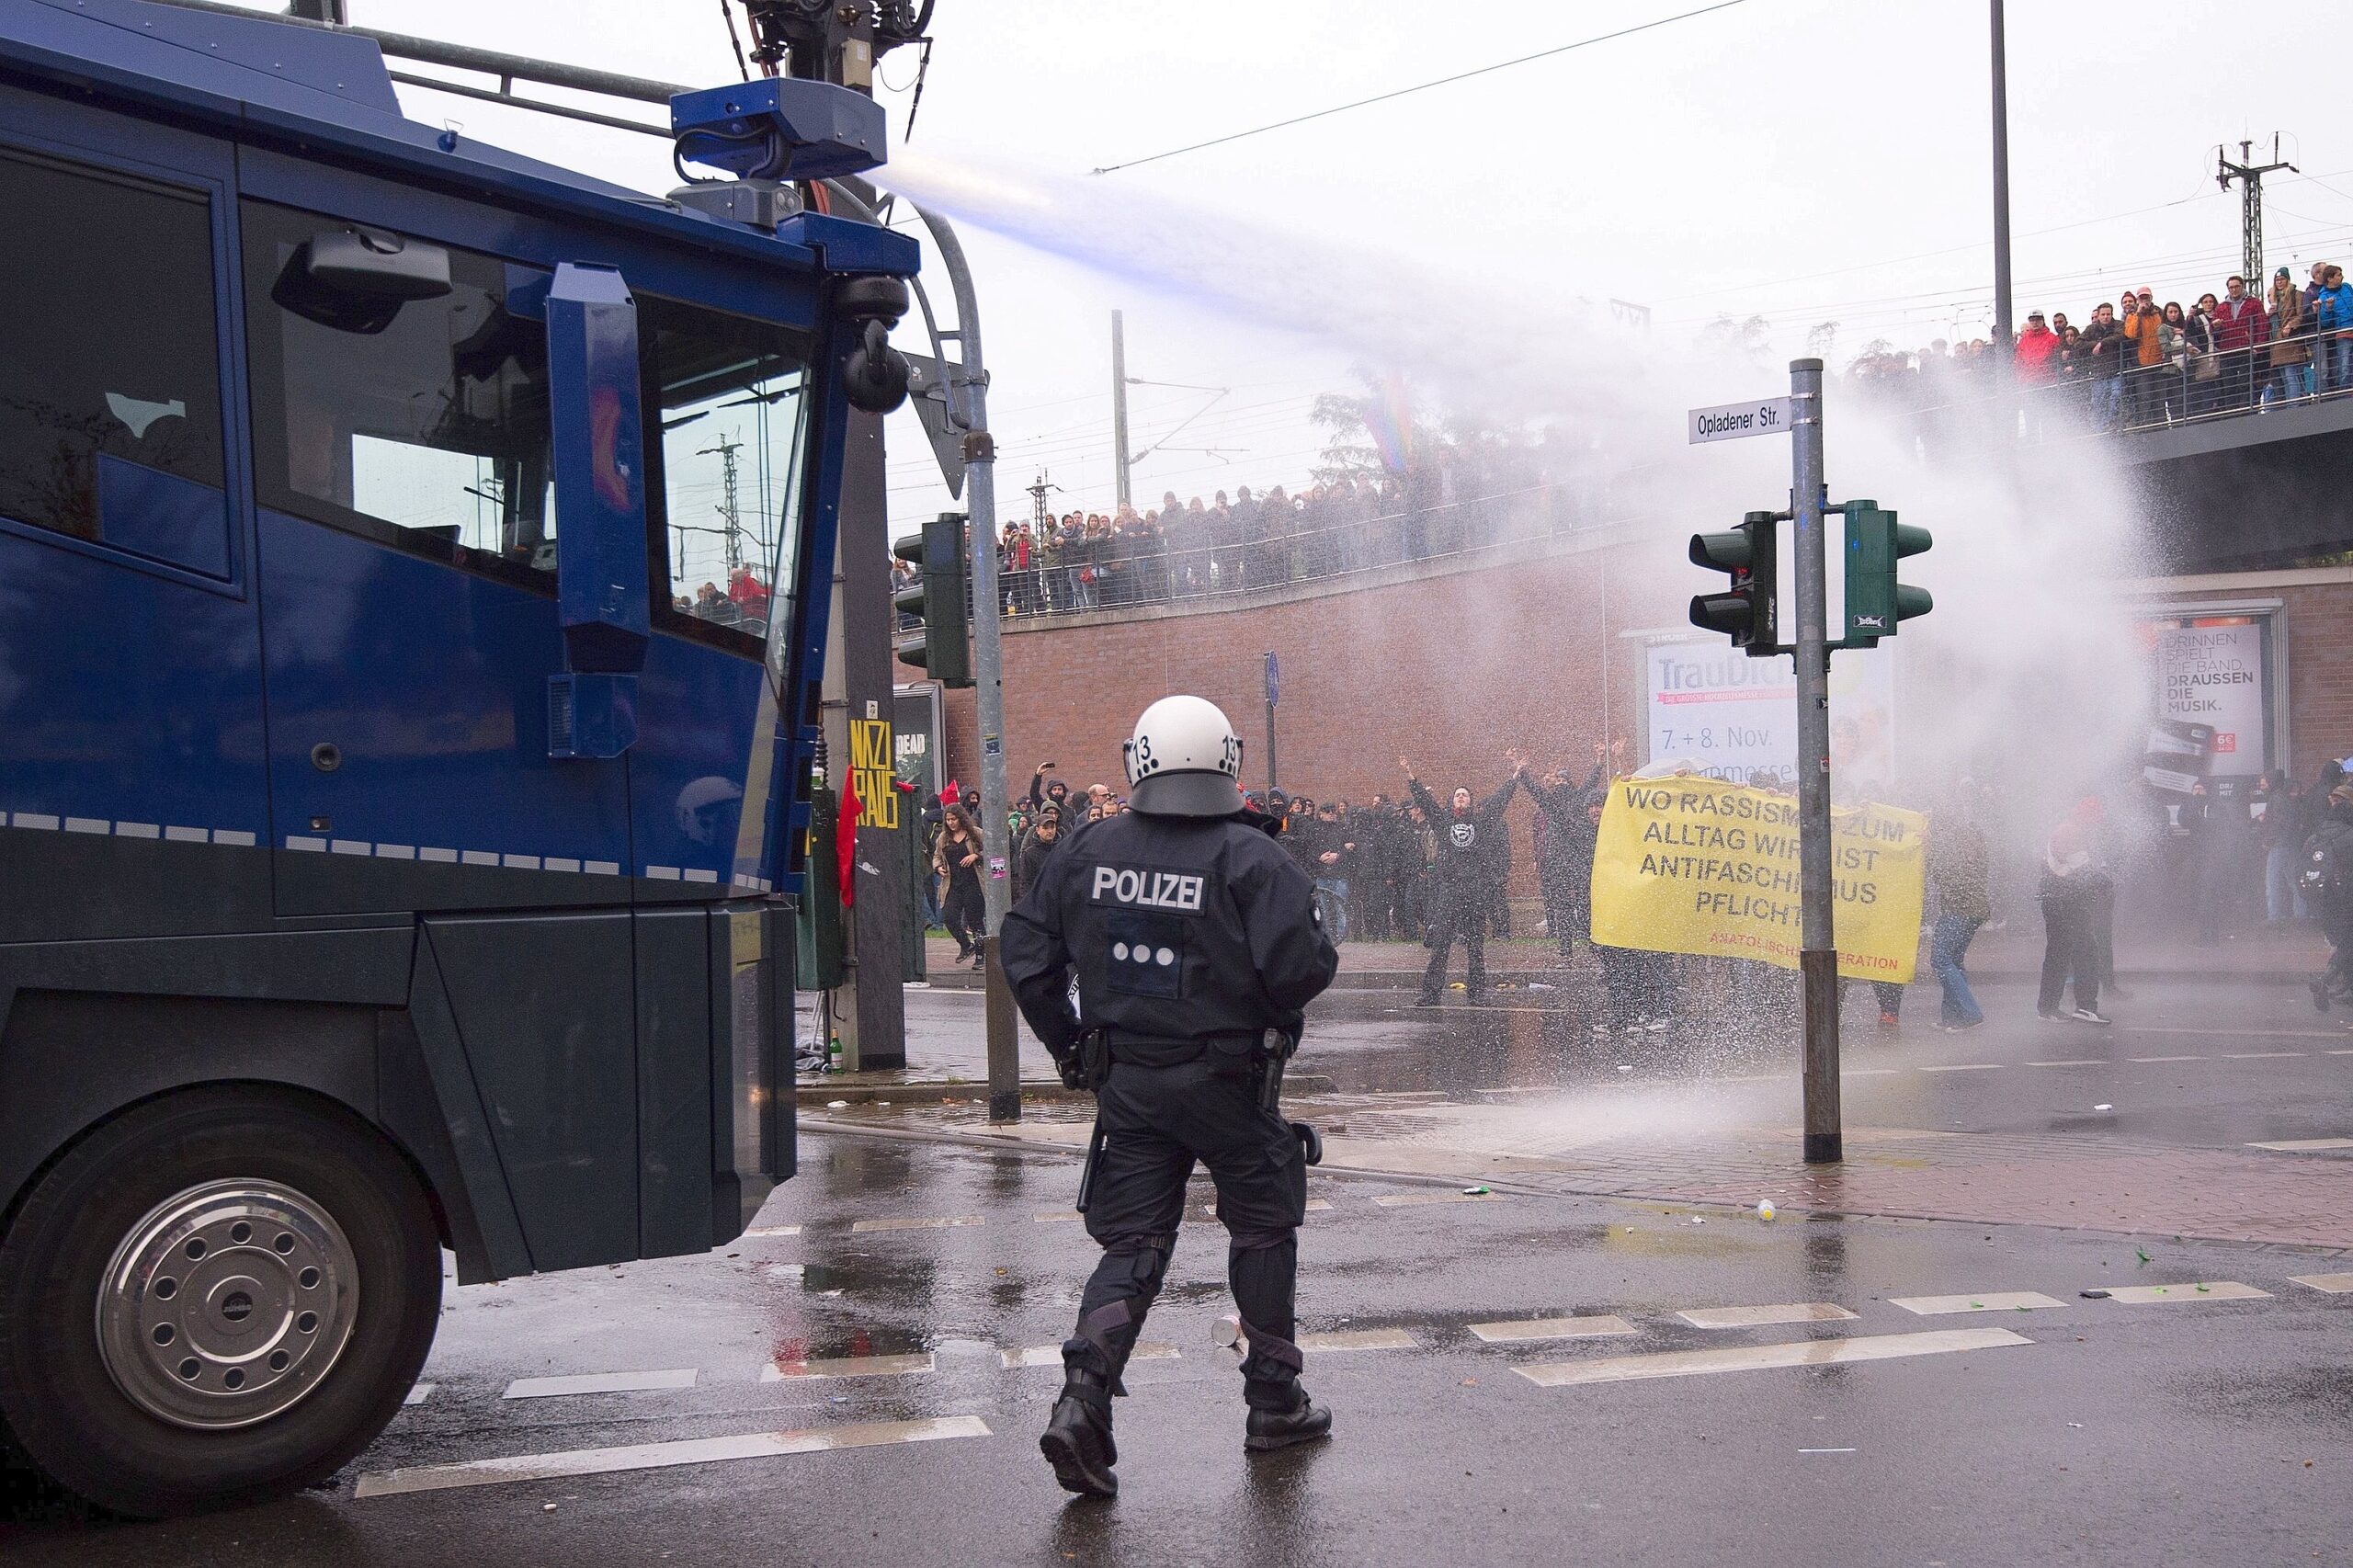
(2140, 363)
(2236, 858)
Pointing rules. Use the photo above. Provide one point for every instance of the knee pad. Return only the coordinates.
(1261, 1240)
(1145, 1261)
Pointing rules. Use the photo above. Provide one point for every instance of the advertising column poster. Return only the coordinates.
(1736, 717)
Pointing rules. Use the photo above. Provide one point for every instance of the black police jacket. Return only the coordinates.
(1178, 928)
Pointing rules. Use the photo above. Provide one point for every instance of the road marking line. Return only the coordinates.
(2087, 1062)
(1360, 1339)
(2244, 1034)
(1208, 1210)
(772, 1230)
(1992, 1302)
(1751, 1358)
(1965, 1067)
(847, 1367)
(2202, 1290)
(2260, 1055)
(1868, 1072)
(951, 1223)
(420, 1393)
(659, 1456)
(2337, 1053)
(2299, 1145)
(1057, 1216)
(2165, 1059)
(600, 1383)
(1417, 1199)
(1758, 1317)
(1051, 1355)
(1521, 1329)
(2335, 1284)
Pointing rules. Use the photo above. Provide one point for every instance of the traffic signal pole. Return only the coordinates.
(1818, 947)
(988, 672)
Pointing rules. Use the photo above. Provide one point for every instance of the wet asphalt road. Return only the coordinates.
(2203, 1063)
(2190, 1429)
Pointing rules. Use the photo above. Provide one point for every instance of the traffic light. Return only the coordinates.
(941, 598)
(1746, 610)
(1876, 602)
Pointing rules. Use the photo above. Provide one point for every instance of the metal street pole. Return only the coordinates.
(1119, 404)
(2003, 340)
(1270, 722)
(988, 671)
(1818, 953)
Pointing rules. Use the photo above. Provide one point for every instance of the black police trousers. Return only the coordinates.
(1158, 1121)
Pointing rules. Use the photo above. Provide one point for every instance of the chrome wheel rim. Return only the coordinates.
(227, 1304)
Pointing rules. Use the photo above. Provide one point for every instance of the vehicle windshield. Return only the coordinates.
(731, 395)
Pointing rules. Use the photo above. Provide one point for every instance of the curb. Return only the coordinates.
(934, 1091)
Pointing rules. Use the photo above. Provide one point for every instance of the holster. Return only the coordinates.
(1094, 1059)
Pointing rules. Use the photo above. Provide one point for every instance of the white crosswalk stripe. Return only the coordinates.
(1986, 1301)
(1752, 1358)
(1759, 1317)
(847, 1366)
(600, 1383)
(658, 1456)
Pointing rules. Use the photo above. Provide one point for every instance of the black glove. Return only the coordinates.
(1072, 1069)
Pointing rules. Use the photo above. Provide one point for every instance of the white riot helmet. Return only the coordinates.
(1184, 761)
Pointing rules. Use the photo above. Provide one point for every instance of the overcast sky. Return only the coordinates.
(1807, 160)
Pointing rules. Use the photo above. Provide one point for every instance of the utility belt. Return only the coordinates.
(1238, 1045)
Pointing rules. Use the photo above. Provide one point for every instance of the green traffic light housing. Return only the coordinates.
(1746, 610)
(1876, 603)
(939, 597)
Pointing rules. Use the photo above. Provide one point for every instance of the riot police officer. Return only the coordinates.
(1196, 944)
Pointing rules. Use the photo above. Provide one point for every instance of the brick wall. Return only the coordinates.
(1445, 667)
(1452, 664)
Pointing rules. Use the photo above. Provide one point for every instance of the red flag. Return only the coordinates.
(846, 837)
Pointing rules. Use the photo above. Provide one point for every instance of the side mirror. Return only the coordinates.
(601, 583)
(875, 377)
(357, 279)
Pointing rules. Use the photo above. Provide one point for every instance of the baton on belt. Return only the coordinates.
(1094, 1164)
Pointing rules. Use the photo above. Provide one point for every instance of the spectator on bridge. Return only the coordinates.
(2173, 342)
(2142, 327)
(2331, 301)
(2034, 355)
(2103, 343)
(2240, 328)
(2205, 357)
(2292, 349)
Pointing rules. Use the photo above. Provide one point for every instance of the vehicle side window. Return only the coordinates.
(108, 349)
(395, 395)
(734, 437)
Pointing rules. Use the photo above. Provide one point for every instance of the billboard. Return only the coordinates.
(2212, 675)
(1736, 717)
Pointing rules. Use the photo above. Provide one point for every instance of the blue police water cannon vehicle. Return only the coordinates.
(413, 581)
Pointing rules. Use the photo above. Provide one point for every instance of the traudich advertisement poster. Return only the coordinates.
(1735, 718)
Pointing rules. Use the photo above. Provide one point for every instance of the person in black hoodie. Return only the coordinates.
(1458, 882)
(1564, 859)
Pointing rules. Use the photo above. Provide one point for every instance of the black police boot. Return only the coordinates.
(1077, 1440)
(1273, 1428)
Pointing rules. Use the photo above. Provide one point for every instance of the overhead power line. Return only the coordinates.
(1420, 86)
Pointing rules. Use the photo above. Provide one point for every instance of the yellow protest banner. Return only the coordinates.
(1694, 865)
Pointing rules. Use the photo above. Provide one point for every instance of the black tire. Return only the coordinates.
(66, 1409)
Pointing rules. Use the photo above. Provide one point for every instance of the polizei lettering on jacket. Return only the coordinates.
(1142, 888)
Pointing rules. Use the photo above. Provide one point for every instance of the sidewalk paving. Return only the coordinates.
(2012, 953)
(2058, 1181)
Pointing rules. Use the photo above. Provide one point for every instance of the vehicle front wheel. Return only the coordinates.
(215, 1297)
